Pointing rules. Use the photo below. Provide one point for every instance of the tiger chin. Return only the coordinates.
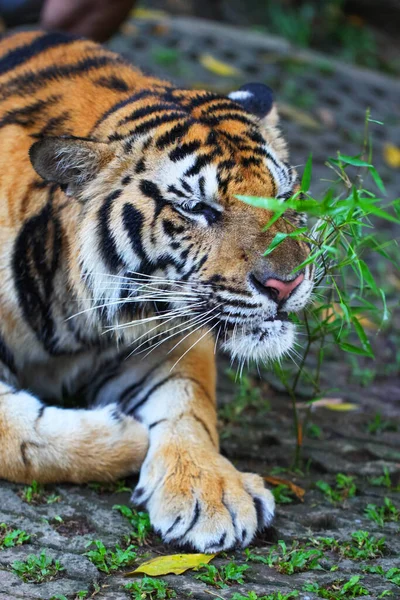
(127, 258)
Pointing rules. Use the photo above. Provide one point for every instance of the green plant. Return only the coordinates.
(377, 425)
(149, 588)
(384, 481)
(107, 560)
(361, 546)
(111, 487)
(282, 494)
(81, 595)
(37, 494)
(292, 560)
(247, 395)
(37, 569)
(340, 238)
(314, 431)
(224, 576)
(345, 488)
(273, 596)
(383, 514)
(140, 521)
(12, 537)
(392, 575)
(338, 589)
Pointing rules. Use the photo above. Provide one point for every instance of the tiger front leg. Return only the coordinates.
(194, 495)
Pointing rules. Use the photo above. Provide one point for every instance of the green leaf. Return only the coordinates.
(306, 179)
(377, 179)
(353, 160)
(354, 349)
(367, 275)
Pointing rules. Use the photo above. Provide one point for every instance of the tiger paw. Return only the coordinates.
(206, 504)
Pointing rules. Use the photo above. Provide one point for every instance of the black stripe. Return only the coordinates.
(112, 82)
(148, 126)
(202, 161)
(36, 257)
(133, 222)
(18, 56)
(129, 392)
(108, 246)
(7, 357)
(27, 115)
(157, 423)
(122, 104)
(55, 125)
(204, 425)
(33, 81)
(183, 150)
(146, 111)
(172, 136)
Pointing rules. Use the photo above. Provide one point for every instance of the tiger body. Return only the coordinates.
(125, 257)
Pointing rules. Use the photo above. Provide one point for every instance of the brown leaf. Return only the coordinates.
(295, 489)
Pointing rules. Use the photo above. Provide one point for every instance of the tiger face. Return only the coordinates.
(161, 230)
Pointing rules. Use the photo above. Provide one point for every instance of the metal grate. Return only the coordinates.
(322, 102)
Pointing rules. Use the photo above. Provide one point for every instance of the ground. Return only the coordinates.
(350, 471)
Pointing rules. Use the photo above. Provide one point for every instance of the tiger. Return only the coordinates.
(128, 258)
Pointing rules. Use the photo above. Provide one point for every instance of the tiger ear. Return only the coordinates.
(69, 161)
(257, 99)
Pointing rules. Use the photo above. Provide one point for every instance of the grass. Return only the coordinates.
(351, 306)
(377, 425)
(296, 559)
(111, 487)
(361, 546)
(247, 396)
(107, 560)
(273, 596)
(383, 514)
(345, 487)
(37, 494)
(338, 589)
(139, 521)
(224, 576)
(392, 575)
(37, 569)
(149, 588)
(384, 480)
(10, 537)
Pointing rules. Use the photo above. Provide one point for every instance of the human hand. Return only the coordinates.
(96, 19)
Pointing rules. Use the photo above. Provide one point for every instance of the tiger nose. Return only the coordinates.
(279, 290)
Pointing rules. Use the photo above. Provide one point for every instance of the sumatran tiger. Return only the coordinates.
(126, 257)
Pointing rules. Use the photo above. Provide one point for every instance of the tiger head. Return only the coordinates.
(160, 224)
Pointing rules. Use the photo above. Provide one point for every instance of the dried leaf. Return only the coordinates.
(391, 154)
(296, 489)
(173, 563)
(217, 66)
(334, 404)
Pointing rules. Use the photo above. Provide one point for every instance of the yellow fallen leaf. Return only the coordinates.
(345, 406)
(296, 489)
(173, 563)
(147, 13)
(217, 66)
(391, 154)
(334, 404)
